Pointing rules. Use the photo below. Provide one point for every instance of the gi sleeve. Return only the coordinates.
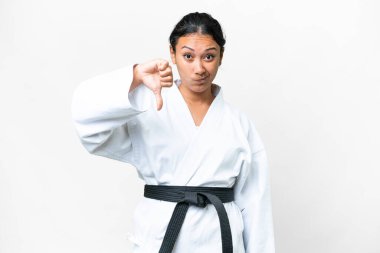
(102, 109)
(252, 195)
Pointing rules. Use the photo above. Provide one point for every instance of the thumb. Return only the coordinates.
(159, 101)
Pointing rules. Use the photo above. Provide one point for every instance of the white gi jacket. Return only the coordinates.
(167, 148)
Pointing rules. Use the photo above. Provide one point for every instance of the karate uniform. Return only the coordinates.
(167, 148)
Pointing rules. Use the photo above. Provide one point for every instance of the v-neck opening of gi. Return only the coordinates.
(197, 127)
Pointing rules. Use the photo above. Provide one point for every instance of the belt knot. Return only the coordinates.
(195, 198)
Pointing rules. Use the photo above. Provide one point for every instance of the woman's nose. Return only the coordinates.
(199, 68)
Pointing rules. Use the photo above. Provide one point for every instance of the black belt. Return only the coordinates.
(197, 196)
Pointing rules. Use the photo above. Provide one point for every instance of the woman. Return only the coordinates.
(202, 160)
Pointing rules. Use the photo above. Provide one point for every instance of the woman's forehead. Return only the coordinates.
(197, 41)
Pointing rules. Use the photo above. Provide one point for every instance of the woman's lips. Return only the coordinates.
(201, 80)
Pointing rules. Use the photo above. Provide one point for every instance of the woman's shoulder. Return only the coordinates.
(238, 114)
(244, 121)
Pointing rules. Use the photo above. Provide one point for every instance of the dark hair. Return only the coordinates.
(196, 22)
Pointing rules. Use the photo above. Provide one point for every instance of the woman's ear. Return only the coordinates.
(172, 54)
(221, 56)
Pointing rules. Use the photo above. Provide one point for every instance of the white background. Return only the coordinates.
(307, 72)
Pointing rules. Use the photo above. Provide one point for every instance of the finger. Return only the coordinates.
(162, 65)
(166, 84)
(158, 96)
(166, 79)
(166, 72)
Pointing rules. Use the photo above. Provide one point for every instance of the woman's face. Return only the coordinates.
(197, 58)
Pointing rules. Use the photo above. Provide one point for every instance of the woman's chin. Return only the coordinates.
(200, 87)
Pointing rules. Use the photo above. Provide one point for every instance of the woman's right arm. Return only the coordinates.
(103, 106)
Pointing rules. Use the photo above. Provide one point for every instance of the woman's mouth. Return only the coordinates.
(201, 80)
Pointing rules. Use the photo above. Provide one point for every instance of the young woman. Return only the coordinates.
(204, 165)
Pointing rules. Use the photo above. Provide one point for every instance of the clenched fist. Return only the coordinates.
(154, 74)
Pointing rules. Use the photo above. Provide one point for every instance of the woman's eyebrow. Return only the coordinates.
(188, 48)
(208, 49)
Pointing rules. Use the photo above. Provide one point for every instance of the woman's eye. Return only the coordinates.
(187, 56)
(209, 57)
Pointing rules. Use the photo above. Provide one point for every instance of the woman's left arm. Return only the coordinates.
(252, 195)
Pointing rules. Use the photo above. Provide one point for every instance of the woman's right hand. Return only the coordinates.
(154, 74)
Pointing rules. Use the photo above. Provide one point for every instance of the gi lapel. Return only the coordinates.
(202, 137)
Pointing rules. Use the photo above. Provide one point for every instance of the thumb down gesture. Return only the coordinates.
(154, 74)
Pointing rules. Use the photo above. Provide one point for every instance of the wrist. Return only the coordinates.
(136, 78)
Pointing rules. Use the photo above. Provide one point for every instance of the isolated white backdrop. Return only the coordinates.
(307, 72)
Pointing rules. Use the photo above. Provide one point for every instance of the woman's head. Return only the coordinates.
(196, 47)
(201, 23)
